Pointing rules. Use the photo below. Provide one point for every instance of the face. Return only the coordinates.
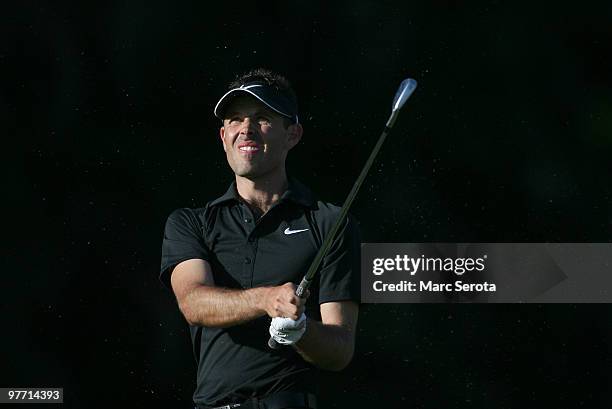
(255, 139)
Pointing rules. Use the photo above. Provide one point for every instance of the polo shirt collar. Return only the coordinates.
(231, 194)
(297, 192)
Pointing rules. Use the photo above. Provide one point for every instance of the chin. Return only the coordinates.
(253, 173)
(247, 173)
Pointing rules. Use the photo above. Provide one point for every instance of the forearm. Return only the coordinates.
(326, 346)
(222, 307)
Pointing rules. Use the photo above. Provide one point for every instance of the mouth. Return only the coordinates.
(248, 148)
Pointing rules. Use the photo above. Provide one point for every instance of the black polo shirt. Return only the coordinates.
(235, 363)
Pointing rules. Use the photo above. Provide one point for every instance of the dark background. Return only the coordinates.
(108, 127)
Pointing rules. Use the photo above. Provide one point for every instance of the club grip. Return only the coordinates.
(300, 292)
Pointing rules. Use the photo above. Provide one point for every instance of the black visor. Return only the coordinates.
(278, 101)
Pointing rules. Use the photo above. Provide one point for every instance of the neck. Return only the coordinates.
(262, 193)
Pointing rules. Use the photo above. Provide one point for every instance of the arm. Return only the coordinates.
(330, 344)
(204, 304)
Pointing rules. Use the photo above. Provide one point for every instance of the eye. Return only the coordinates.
(234, 119)
(263, 120)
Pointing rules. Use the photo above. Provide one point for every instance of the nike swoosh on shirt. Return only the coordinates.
(289, 231)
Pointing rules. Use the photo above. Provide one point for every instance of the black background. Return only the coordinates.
(109, 127)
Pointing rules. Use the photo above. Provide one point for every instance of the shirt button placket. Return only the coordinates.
(250, 247)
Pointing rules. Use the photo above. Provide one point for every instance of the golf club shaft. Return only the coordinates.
(329, 238)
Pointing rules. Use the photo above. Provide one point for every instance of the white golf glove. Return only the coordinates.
(287, 331)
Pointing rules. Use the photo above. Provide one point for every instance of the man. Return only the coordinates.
(234, 264)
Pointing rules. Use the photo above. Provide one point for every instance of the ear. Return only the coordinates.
(222, 136)
(294, 134)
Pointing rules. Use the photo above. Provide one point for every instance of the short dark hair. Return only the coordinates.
(269, 78)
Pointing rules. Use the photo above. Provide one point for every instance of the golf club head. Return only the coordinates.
(404, 91)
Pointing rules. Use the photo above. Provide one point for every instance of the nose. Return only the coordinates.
(247, 126)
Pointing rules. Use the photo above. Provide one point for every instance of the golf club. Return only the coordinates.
(404, 91)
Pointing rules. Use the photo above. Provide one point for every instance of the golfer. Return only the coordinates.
(234, 263)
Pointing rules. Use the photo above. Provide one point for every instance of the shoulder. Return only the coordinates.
(187, 218)
(186, 215)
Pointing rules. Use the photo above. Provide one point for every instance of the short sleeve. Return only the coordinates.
(340, 275)
(183, 240)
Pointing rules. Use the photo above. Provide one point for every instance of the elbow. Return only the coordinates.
(345, 354)
(188, 314)
(341, 364)
(335, 366)
(338, 354)
(338, 364)
(189, 320)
